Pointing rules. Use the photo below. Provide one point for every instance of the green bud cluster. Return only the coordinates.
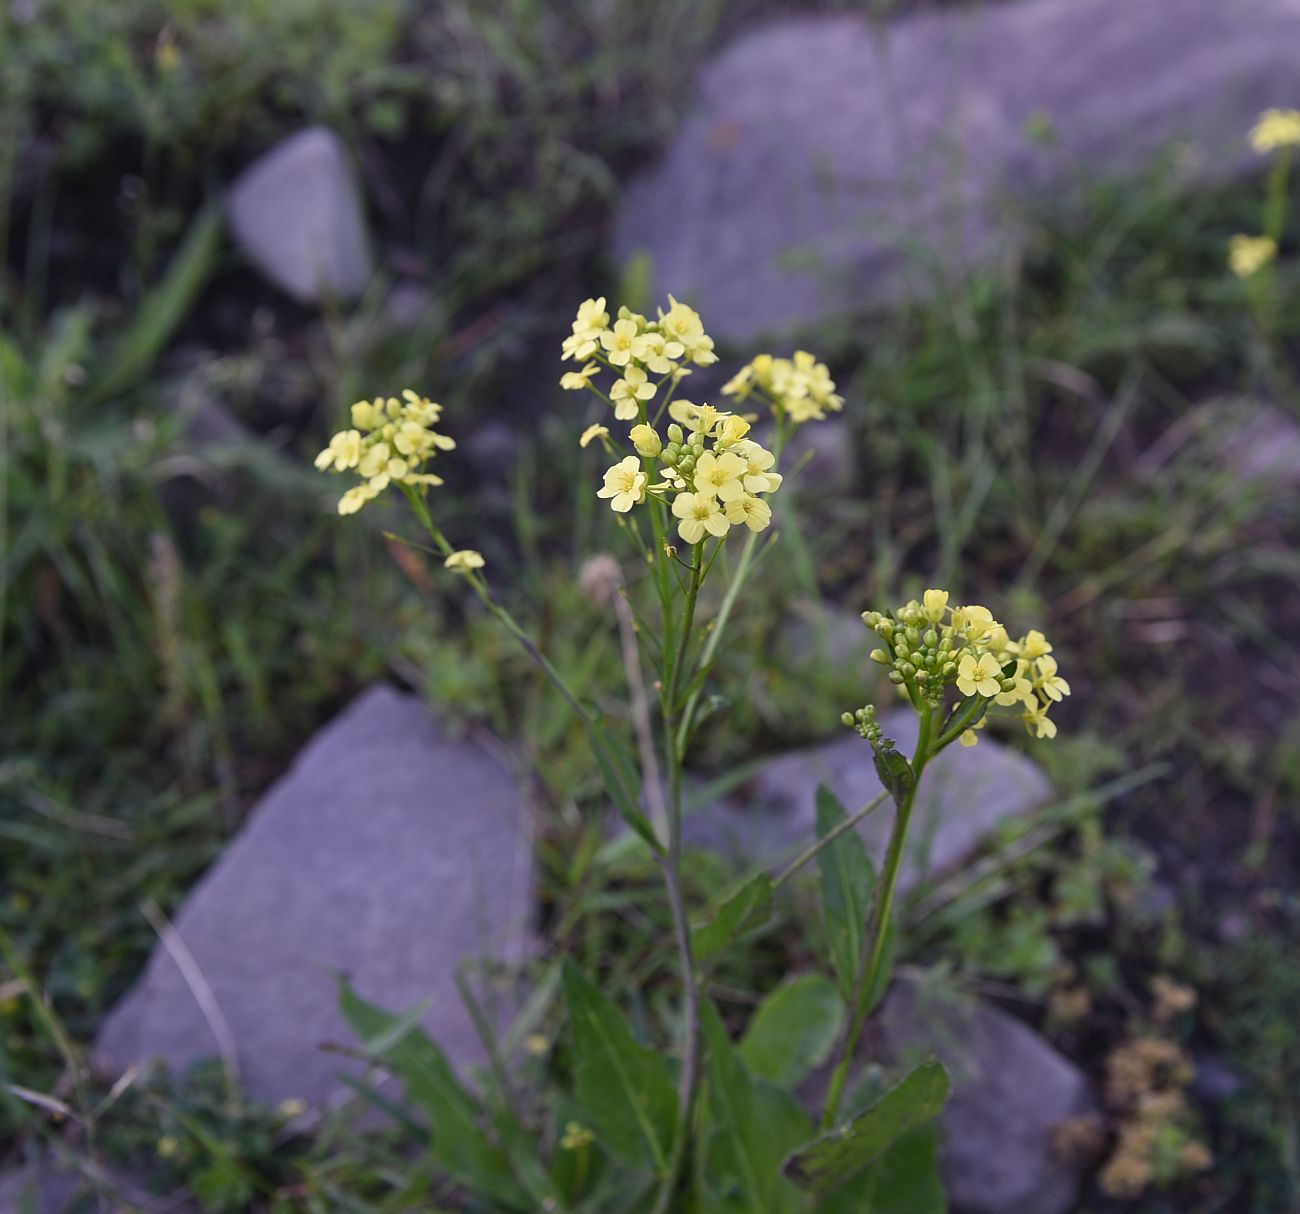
(919, 654)
(682, 450)
(863, 723)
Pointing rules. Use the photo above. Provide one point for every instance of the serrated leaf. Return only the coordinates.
(623, 1088)
(848, 883)
(459, 1144)
(794, 1030)
(756, 1125)
(745, 910)
(836, 1157)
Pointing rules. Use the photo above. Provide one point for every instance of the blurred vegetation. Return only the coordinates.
(176, 616)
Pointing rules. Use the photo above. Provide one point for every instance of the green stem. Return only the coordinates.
(671, 863)
(869, 976)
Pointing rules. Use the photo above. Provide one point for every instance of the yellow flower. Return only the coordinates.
(978, 677)
(682, 324)
(590, 323)
(626, 392)
(625, 484)
(464, 560)
(294, 1106)
(1247, 255)
(658, 353)
(740, 385)
(1033, 646)
(167, 1146)
(1048, 681)
(1276, 129)
(730, 430)
(620, 342)
(753, 511)
(537, 1045)
(592, 432)
(720, 476)
(343, 452)
(699, 513)
(1039, 724)
(758, 477)
(974, 623)
(645, 440)
(356, 497)
(575, 381)
(700, 418)
(936, 603)
(576, 1137)
(1022, 690)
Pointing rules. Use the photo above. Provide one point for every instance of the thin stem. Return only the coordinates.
(869, 975)
(671, 862)
(810, 853)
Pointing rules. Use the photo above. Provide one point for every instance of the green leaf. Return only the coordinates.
(904, 1181)
(755, 1125)
(895, 772)
(838, 1156)
(164, 308)
(459, 1145)
(794, 1029)
(623, 1088)
(848, 882)
(745, 910)
(619, 775)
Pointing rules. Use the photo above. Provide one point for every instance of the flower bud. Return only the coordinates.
(931, 637)
(895, 678)
(907, 670)
(916, 658)
(879, 655)
(847, 718)
(645, 440)
(670, 454)
(675, 434)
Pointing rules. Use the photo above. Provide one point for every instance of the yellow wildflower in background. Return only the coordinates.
(1247, 255)
(592, 433)
(1276, 129)
(799, 388)
(465, 561)
(389, 443)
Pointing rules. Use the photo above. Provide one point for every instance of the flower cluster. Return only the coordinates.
(1247, 255)
(699, 461)
(636, 350)
(798, 388)
(709, 472)
(1276, 129)
(931, 646)
(390, 442)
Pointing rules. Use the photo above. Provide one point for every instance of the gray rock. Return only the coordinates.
(817, 636)
(1010, 1089)
(1261, 446)
(819, 458)
(831, 163)
(297, 213)
(965, 794)
(388, 853)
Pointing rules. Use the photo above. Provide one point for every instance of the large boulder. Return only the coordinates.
(297, 213)
(831, 162)
(964, 795)
(1011, 1088)
(389, 854)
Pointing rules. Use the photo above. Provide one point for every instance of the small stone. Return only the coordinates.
(777, 206)
(817, 636)
(965, 794)
(389, 853)
(1011, 1088)
(297, 213)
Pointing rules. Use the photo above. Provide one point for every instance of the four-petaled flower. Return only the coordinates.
(464, 561)
(700, 514)
(980, 676)
(625, 484)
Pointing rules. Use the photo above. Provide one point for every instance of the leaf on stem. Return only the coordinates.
(794, 1029)
(745, 910)
(755, 1125)
(848, 881)
(895, 772)
(838, 1156)
(623, 1087)
(459, 1145)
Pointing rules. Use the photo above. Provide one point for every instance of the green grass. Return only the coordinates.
(168, 640)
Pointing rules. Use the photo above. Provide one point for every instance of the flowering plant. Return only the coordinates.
(695, 1124)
